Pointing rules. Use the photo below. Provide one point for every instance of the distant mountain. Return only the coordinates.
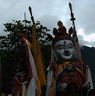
(88, 55)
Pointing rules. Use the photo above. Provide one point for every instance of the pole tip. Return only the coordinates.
(29, 8)
(70, 4)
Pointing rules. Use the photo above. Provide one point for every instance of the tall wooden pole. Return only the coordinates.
(72, 18)
(37, 55)
(75, 33)
(25, 18)
(75, 38)
(32, 18)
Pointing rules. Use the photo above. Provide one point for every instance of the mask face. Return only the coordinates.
(65, 49)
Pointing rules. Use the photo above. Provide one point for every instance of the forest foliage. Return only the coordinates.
(8, 46)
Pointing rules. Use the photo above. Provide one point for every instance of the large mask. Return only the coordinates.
(64, 49)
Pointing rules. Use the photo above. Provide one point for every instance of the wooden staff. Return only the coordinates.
(77, 47)
(73, 21)
(32, 18)
(41, 81)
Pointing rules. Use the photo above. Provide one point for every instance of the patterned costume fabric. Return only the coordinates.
(23, 68)
(22, 61)
(68, 74)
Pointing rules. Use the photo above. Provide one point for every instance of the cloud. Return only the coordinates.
(49, 21)
(85, 15)
(86, 39)
(50, 11)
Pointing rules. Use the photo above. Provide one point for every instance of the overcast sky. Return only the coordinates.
(50, 11)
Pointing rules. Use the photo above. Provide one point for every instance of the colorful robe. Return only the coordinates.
(25, 81)
(62, 75)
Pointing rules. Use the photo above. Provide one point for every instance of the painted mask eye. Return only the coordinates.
(70, 46)
(59, 47)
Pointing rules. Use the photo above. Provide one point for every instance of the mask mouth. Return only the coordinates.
(67, 53)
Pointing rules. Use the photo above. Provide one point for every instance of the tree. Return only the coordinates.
(8, 45)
